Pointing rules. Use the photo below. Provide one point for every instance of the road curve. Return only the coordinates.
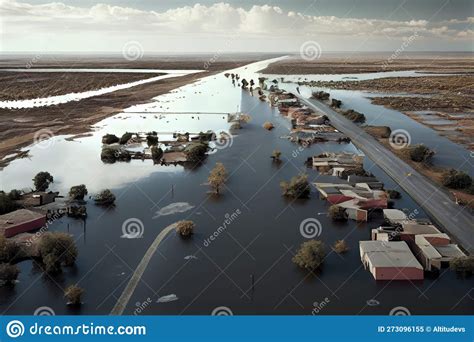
(127, 293)
(435, 201)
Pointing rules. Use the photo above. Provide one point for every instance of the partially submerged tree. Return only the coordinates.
(217, 177)
(77, 192)
(340, 246)
(126, 138)
(336, 103)
(105, 197)
(73, 294)
(42, 180)
(276, 154)
(152, 140)
(185, 228)
(7, 204)
(268, 125)
(463, 265)
(354, 116)
(9, 250)
(196, 152)
(393, 194)
(110, 139)
(457, 179)
(420, 153)
(8, 273)
(156, 153)
(297, 187)
(15, 194)
(57, 249)
(310, 255)
(337, 213)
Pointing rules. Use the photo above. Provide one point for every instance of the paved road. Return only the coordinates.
(455, 220)
(127, 293)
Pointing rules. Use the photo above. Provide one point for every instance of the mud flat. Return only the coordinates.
(18, 126)
(354, 63)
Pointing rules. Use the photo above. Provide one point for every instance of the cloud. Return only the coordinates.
(104, 22)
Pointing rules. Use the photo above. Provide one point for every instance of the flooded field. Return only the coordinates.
(262, 228)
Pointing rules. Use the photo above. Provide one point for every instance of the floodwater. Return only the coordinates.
(262, 228)
(60, 99)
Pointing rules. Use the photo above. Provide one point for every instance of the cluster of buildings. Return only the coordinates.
(307, 126)
(403, 249)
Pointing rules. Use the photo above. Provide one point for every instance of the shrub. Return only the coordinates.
(420, 153)
(42, 181)
(105, 197)
(195, 152)
(110, 139)
(276, 154)
(311, 254)
(7, 204)
(340, 246)
(73, 294)
(156, 153)
(111, 155)
(125, 138)
(320, 95)
(298, 187)
(14, 194)
(354, 116)
(457, 179)
(336, 103)
(185, 228)
(78, 192)
(337, 213)
(463, 264)
(393, 194)
(57, 249)
(217, 177)
(9, 250)
(268, 126)
(77, 211)
(9, 273)
(151, 140)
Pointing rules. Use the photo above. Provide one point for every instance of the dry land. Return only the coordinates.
(18, 126)
(355, 63)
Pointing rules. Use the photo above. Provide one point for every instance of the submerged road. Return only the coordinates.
(127, 293)
(435, 201)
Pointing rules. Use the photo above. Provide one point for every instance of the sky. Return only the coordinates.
(181, 26)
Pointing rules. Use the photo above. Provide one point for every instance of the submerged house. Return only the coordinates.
(390, 260)
(21, 221)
